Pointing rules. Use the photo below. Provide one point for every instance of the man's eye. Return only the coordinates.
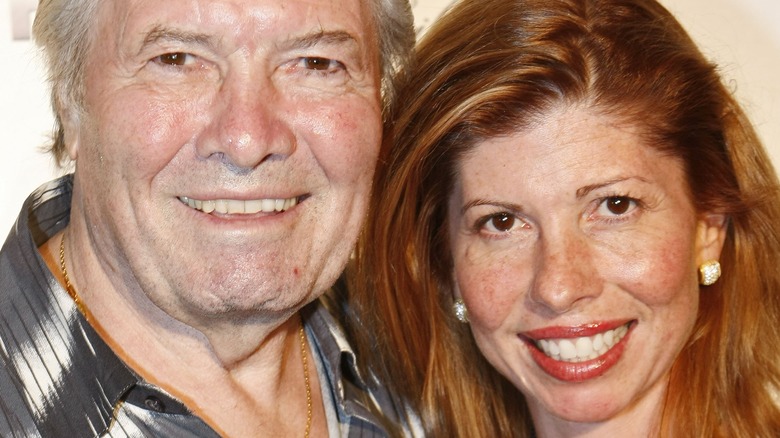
(321, 64)
(176, 58)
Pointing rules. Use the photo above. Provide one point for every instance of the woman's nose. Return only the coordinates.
(564, 272)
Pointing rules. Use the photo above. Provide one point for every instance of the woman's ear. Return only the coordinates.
(455, 289)
(710, 235)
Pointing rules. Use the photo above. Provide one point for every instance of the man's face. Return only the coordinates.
(227, 148)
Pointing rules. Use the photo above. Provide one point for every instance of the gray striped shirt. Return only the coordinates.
(59, 378)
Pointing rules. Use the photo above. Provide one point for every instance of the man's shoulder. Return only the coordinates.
(55, 370)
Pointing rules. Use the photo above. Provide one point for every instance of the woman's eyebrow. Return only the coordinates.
(508, 206)
(581, 192)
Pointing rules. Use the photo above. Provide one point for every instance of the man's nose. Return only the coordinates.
(248, 124)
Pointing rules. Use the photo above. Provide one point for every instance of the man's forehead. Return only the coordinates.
(278, 21)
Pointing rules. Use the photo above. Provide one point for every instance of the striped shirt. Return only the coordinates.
(59, 378)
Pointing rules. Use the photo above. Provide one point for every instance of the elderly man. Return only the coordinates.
(171, 286)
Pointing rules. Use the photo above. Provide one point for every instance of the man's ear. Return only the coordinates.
(710, 235)
(69, 120)
(68, 115)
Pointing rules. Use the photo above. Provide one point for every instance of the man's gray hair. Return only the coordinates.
(64, 30)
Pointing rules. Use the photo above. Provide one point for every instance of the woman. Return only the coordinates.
(572, 179)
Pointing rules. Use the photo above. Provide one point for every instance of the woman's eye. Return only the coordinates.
(617, 205)
(502, 222)
(499, 223)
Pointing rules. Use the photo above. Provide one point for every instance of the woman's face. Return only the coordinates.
(576, 247)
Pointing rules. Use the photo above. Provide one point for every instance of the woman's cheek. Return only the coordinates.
(656, 274)
(490, 286)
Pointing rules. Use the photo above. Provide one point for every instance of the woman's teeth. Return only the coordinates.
(584, 348)
(233, 206)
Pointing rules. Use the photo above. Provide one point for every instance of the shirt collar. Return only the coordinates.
(359, 403)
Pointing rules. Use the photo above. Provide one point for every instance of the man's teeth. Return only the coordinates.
(582, 349)
(233, 206)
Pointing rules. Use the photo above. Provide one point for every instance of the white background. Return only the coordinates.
(742, 36)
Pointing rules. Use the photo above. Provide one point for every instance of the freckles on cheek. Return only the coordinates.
(489, 300)
(659, 277)
(672, 283)
(490, 290)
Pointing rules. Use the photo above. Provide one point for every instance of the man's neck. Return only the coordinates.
(254, 367)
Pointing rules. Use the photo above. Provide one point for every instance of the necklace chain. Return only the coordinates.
(302, 337)
(69, 287)
(301, 334)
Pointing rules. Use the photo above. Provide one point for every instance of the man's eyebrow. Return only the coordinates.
(161, 33)
(320, 37)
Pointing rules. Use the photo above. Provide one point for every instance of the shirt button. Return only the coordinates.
(154, 404)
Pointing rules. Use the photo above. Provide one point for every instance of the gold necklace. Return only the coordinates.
(69, 287)
(302, 337)
(301, 334)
